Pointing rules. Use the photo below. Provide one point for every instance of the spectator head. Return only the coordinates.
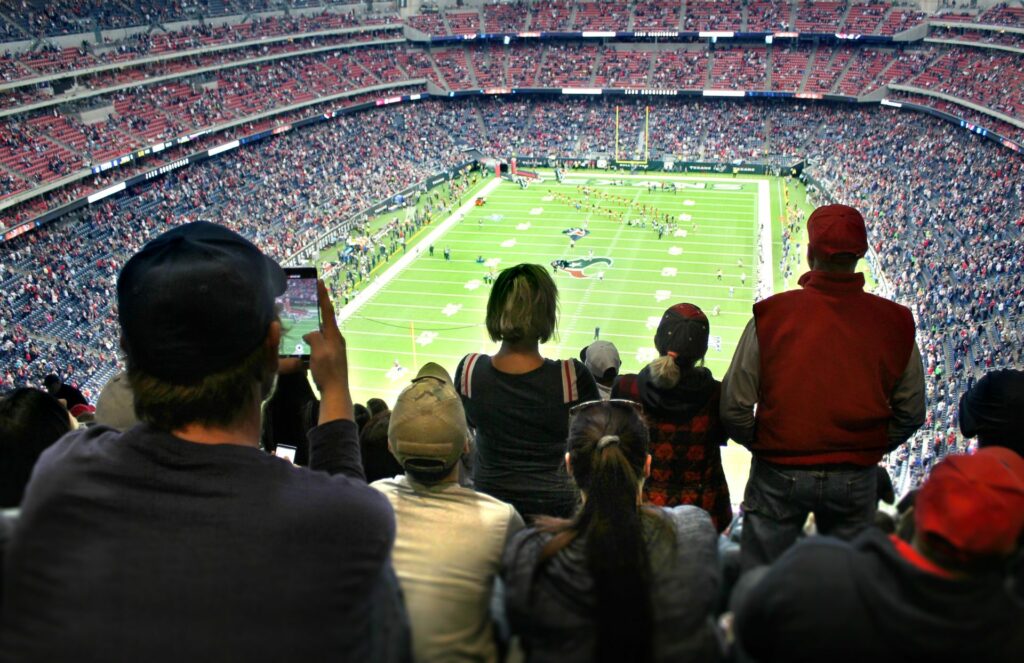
(52, 383)
(836, 238)
(969, 514)
(602, 360)
(609, 460)
(30, 421)
(523, 305)
(993, 410)
(378, 463)
(376, 406)
(199, 326)
(682, 341)
(362, 415)
(885, 522)
(428, 431)
(115, 406)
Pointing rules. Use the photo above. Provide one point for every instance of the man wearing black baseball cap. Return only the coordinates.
(180, 539)
(837, 379)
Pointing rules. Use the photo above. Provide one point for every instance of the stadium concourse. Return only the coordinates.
(363, 142)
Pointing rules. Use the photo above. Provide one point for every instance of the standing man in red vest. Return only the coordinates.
(837, 379)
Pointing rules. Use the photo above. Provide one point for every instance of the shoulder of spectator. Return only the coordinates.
(515, 522)
(585, 382)
(347, 505)
(457, 375)
(692, 522)
(78, 443)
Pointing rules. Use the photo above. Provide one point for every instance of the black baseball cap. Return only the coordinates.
(683, 330)
(195, 301)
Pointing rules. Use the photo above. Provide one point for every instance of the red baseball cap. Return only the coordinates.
(836, 229)
(975, 502)
(81, 409)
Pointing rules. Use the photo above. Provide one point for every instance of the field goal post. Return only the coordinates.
(647, 140)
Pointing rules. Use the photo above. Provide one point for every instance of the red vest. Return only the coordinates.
(831, 355)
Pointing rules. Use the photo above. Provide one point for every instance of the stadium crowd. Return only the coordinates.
(525, 512)
(947, 251)
(54, 142)
(405, 567)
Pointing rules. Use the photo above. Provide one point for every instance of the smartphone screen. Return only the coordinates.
(298, 310)
(286, 452)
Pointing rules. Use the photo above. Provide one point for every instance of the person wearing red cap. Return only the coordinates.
(837, 381)
(942, 597)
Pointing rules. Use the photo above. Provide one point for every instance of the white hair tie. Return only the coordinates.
(606, 440)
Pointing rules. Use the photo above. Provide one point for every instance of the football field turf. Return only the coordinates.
(619, 277)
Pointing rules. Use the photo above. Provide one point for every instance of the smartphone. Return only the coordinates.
(298, 310)
(285, 451)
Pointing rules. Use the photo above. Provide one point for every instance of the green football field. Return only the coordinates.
(620, 278)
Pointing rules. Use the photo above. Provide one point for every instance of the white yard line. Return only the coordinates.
(765, 268)
(367, 293)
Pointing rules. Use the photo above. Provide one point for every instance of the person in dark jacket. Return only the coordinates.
(64, 392)
(30, 421)
(621, 581)
(681, 399)
(993, 410)
(180, 539)
(943, 597)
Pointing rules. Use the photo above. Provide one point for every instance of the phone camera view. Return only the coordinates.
(299, 312)
(286, 452)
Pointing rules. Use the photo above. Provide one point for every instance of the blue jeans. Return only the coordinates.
(779, 497)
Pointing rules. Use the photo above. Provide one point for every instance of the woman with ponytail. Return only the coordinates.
(620, 581)
(680, 398)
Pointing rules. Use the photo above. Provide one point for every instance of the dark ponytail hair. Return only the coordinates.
(608, 445)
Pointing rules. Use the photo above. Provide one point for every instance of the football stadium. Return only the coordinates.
(683, 323)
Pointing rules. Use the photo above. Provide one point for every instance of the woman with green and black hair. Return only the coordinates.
(620, 581)
(519, 402)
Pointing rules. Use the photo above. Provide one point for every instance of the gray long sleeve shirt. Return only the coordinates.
(741, 388)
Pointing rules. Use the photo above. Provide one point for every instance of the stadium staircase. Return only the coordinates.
(842, 21)
(480, 121)
(572, 16)
(842, 74)
(441, 80)
(768, 58)
(12, 173)
(447, 26)
(217, 7)
(885, 19)
(15, 24)
(595, 67)
(504, 68)
(707, 74)
(682, 15)
(529, 20)
(469, 66)
(792, 14)
(876, 82)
